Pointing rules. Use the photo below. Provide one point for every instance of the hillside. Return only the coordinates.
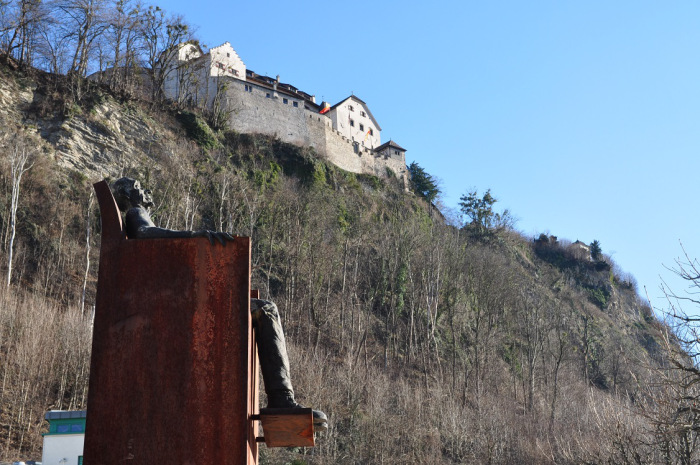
(423, 342)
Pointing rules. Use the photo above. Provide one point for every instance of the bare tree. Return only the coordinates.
(674, 406)
(191, 75)
(25, 25)
(52, 49)
(20, 155)
(161, 36)
(88, 229)
(83, 23)
(123, 20)
(220, 110)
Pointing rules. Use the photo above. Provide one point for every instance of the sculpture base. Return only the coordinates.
(288, 427)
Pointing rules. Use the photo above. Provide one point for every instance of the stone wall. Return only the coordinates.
(258, 109)
(395, 163)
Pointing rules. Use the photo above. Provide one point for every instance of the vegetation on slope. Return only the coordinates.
(423, 342)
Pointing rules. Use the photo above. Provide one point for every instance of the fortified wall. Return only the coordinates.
(346, 134)
(257, 109)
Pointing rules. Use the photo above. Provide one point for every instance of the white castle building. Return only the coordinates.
(346, 134)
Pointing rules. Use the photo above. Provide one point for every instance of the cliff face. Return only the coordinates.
(97, 138)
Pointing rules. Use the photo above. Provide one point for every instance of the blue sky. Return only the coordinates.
(581, 117)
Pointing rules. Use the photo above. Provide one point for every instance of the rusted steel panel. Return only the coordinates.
(172, 358)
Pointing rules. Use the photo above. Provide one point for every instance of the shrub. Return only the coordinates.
(197, 129)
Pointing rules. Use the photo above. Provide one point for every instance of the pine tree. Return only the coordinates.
(423, 183)
(596, 251)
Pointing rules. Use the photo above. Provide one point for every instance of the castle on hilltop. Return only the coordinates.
(346, 134)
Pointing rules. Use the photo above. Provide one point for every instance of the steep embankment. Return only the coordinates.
(96, 137)
(422, 342)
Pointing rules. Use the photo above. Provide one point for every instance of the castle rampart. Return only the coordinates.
(346, 134)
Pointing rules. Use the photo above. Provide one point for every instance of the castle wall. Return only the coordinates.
(256, 108)
(251, 104)
(281, 115)
(259, 109)
(396, 163)
(341, 151)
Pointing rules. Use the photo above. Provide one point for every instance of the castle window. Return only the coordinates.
(296, 104)
(371, 132)
(352, 122)
(285, 101)
(362, 127)
(351, 108)
(228, 55)
(363, 113)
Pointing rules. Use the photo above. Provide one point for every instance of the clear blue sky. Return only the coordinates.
(582, 118)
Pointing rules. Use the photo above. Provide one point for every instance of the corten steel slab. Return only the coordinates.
(171, 357)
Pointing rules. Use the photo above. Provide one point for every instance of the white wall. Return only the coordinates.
(226, 62)
(62, 446)
(186, 52)
(353, 110)
(194, 76)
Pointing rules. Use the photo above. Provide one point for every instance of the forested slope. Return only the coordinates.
(423, 342)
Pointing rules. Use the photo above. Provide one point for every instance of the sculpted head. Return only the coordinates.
(129, 194)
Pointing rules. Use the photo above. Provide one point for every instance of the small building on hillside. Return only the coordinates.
(63, 444)
(581, 250)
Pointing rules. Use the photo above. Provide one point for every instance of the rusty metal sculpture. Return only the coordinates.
(173, 373)
(135, 201)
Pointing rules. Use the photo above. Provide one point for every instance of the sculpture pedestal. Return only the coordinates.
(287, 427)
(173, 375)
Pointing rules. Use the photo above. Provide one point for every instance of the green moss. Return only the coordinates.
(267, 177)
(599, 296)
(197, 129)
(72, 109)
(352, 182)
(344, 218)
(318, 176)
(370, 180)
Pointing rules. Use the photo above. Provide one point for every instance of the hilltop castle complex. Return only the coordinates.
(346, 134)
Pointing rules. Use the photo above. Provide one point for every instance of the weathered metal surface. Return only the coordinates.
(288, 427)
(171, 358)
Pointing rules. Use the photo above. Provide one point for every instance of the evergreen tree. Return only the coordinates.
(596, 251)
(424, 184)
(480, 213)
